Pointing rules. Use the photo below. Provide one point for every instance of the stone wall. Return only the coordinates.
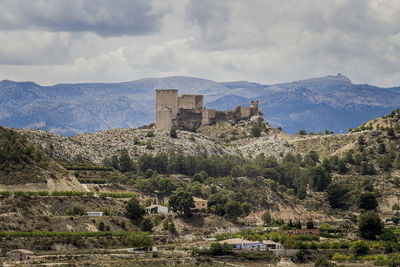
(188, 111)
(166, 100)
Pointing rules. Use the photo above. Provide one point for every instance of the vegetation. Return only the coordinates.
(21, 161)
(139, 240)
(370, 225)
(134, 210)
(182, 202)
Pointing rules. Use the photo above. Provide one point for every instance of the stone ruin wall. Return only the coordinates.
(188, 111)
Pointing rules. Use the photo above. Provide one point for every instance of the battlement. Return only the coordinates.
(188, 111)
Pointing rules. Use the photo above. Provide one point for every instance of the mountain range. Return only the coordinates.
(331, 102)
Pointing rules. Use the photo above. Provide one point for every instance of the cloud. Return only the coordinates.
(261, 41)
(211, 16)
(103, 17)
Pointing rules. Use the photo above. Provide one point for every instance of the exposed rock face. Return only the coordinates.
(95, 147)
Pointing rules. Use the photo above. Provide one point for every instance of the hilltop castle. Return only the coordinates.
(187, 111)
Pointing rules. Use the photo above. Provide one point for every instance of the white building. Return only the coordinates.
(157, 209)
(95, 213)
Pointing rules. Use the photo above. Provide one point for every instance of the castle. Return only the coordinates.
(188, 112)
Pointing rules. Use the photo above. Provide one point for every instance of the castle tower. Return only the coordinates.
(166, 108)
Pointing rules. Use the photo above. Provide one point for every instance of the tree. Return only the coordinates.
(338, 195)
(360, 247)
(146, 225)
(311, 158)
(125, 161)
(266, 218)
(310, 224)
(341, 166)
(302, 132)
(233, 210)
(361, 140)
(381, 148)
(133, 209)
(182, 202)
(139, 240)
(102, 226)
(320, 178)
(256, 130)
(370, 225)
(172, 133)
(390, 132)
(385, 162)
(216, 249)
(367, 201)
(160, 162)
(388, 235)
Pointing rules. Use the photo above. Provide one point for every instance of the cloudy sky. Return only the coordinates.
(58, 41)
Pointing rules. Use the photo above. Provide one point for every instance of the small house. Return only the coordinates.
(157, 209)
(95, 213)
(239, 243)
(19, 255)
(271, 245)
(200, 204)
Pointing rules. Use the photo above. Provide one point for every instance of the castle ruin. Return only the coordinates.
(188, 112)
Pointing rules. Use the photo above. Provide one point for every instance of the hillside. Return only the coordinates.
(259, 182)
(330, 102)
(341, 155)
(23, 164)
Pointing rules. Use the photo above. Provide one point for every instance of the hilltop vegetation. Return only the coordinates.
(21, 161)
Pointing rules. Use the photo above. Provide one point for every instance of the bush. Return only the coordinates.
(133, 209)
(367, 201)
(76, 210)
(101, 226)
(5, 193)
(256, 130)
(302, 132)
(146, 225)
(173, 133)
(360, 247)
(171, 228)
(266, 218)
(139, 240)
(381, 148)
(117, 194)
(370, 225)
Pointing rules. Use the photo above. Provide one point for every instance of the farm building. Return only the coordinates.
(238, 243)
(200, 204)
(95, 213)
(157, 209)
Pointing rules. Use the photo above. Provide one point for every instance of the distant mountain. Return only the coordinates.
(330, 102)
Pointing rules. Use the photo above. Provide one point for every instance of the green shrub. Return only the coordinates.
(173, 133)
(117, 194)
(139, 240)
(76, 210)
(360, 247)
(5, 193)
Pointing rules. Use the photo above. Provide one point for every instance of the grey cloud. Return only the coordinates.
(103, 17)
(211, 16)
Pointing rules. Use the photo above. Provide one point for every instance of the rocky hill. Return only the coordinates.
(330, 102)
(369, 151)
(25, 166)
